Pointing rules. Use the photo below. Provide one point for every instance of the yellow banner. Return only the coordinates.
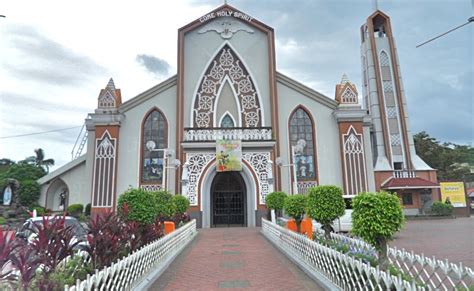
(453, 192)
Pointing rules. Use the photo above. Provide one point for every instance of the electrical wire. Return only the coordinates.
(471, 19)
(41, 132)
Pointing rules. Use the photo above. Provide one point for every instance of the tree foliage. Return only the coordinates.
(181, 203)
(22, 172)
(275, 200)
(165, 206)
(295, 206)
(376, 217)
(39, 160)
(140, 204)
(325, 204)
(452, 161)
(29, 192)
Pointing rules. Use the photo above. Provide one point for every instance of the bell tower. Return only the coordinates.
(384, 96)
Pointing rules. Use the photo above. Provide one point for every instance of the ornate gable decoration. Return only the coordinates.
(109, 98)
(226, 64)
(346, 92)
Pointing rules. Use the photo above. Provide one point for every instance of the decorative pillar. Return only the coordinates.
(105, 122)
(350, 118)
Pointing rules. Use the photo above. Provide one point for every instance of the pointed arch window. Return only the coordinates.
(227, 121)
(155, 132)
(303, 143)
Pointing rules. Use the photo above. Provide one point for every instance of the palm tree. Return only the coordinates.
(41, 162)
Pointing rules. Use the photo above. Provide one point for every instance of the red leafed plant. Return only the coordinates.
(105, 238)
(26, 262)
(8, 245)
(54, 242)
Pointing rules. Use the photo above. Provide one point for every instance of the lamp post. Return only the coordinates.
(167, 154)
(279, 161)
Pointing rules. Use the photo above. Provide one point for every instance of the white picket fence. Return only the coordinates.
(127, 273)
(434, 273)
(343, 271)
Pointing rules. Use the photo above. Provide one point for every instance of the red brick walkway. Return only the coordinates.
(237, 258)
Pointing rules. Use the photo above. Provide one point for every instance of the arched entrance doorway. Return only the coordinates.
(228, 200)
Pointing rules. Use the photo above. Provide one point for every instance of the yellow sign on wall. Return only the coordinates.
(455, 192)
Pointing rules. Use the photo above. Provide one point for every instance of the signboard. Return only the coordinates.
(454, 192)
(229, 155)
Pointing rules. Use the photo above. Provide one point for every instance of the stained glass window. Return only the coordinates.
(227, 121)
(302, 141)
(154, 141)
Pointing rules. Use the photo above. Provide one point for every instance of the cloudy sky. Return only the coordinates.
(55, 56)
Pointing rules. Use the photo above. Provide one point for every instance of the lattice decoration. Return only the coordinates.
(384, 60)
(154, 187)
(196, 164)
(304, 186)
(387, 86)
(392, 112)
(395, 139)
(226, 64)
(263, 168)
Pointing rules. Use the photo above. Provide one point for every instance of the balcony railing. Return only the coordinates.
(242, 133)
(404, 174)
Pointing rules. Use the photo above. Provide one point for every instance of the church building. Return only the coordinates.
(228, 129)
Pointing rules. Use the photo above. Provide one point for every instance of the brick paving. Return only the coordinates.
(451, 239)
(232, 258)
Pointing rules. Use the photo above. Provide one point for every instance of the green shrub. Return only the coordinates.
(165, 205)
(3, 220)
(440, 208)
(87, 211)
(28, 193)
(276, 201)
(141, 205)
(181, 204)
(376, 217)
(75, 210)
(295, 206)
(325, 204)
(68, 273)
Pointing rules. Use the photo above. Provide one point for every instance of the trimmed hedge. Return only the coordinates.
(442, 209)
(75, 209)
(165, 206)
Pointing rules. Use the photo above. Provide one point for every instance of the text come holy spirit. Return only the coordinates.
(225, 13)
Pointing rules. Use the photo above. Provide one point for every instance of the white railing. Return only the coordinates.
(343, 271)
(80, 143)
(404, 174)
(435, 274)
(212, 134)
(127, 273)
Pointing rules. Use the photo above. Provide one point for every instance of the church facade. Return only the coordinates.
(229, 128)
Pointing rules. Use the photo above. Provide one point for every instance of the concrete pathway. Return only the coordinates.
(232, 258)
